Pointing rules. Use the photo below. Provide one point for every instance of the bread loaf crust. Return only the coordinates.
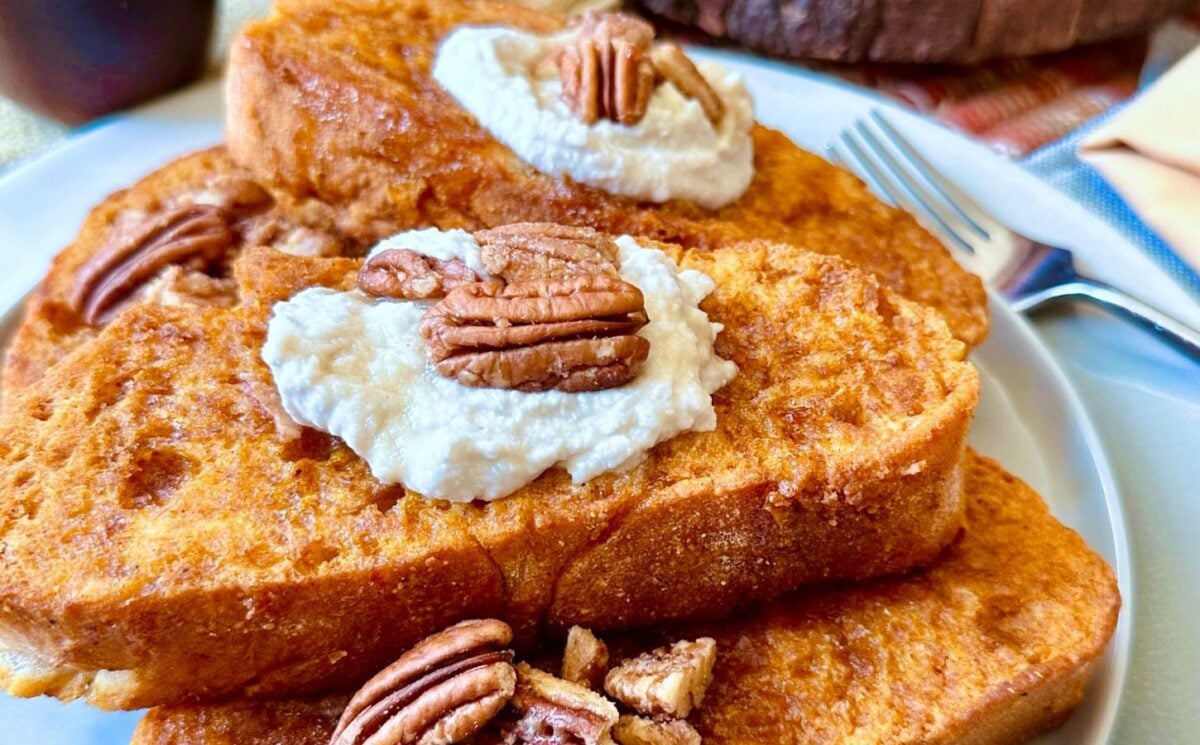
(916, 30)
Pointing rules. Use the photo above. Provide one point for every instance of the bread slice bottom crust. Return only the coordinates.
(992, 645)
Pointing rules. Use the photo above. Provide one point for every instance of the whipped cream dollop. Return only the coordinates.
(674, 152)
(357, 367)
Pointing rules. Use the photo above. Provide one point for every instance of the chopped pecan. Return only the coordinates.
(585, 660)
(443, 690)
(233, 192)
(403, 274)
(193, 234)
(673, 65)
(527, 251)
(305, 241)
(178, 286)
(634, 730)
(606, 73)
(666, 683)
(551, 711)
(266, 398)
(573, 334)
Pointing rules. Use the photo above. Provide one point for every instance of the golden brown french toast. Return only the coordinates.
(165, 538)
(991, 645)
(334, 99)
(52, 327)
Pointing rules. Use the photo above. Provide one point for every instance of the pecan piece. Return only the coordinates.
(527, 251)
(606, 73)
(551, 711)
(666, 683)
(585, 660)
(196, 233)
(614, 24)
(573, 334)
(673, 65)
(177, 286)
(634, 730)
(404, 274)
(443, 690)
(234, 193)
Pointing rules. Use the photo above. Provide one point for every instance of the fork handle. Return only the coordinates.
(1176, 333)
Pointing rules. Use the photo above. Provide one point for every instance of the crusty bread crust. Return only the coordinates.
(959, 31)
(334, 99)
(162, 542)
(990, 646)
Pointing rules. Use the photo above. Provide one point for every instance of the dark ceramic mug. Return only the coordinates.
(78, 59)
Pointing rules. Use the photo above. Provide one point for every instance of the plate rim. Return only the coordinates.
(1100, 463)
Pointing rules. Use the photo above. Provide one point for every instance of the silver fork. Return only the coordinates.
(1028, 273)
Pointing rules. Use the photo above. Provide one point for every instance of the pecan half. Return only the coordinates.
(611, 69)
(573, 334)
(585, 660)
(403, 274)
(673, 65)
(633, 730)
(443, 690)
(550, 711)
(666, 683)
(193, 233)
(527, 251)
(606, 73)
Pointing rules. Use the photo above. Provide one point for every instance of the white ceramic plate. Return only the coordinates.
(1029, 418)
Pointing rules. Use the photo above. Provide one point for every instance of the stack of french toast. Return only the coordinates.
(223, 394)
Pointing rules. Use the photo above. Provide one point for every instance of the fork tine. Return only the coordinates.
(972, 211)
(894, 187)
(871, 172)
(933, 203)
(835, 156)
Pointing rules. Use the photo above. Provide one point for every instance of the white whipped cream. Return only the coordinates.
(357, 367)
(674, 152)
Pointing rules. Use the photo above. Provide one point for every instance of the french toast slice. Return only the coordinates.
(993, 644)
(334, 99)
(52, 327)
(163, 538)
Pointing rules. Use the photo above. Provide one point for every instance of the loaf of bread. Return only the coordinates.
(334, 100)
(164, 539)
(990, 646)
(916, 30)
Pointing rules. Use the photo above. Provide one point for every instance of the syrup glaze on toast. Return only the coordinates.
(334, 100)
(991, 645)
(164, 541)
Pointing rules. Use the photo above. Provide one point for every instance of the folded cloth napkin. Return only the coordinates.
(1150, 153)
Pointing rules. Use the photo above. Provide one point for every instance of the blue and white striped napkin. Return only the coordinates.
(1058, 165)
